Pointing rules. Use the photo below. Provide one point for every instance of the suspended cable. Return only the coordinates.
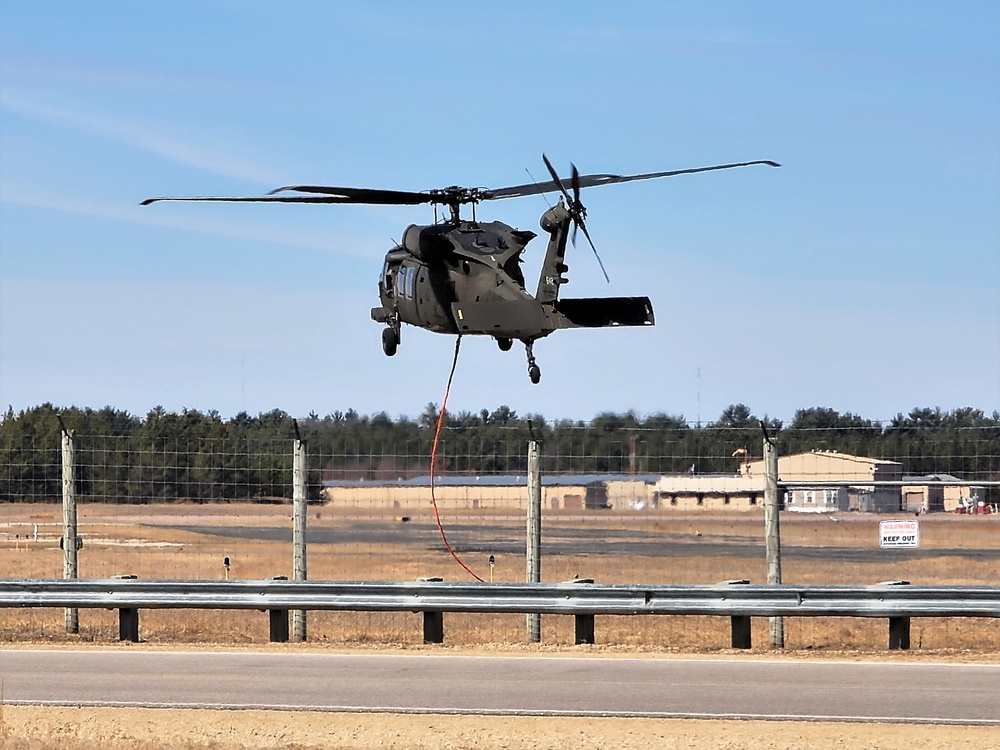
(434, 446)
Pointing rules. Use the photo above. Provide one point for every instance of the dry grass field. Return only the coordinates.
(188, 541)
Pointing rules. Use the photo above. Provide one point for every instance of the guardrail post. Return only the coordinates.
(899, 627)
(741, 637)
(740, 624)
(299, 498)
(899, 633)
(278, 620)
(433, 621)
(433, 627)
(584, 630)
(584, 623)
(128, 617)
(128, 624)
(534, 545)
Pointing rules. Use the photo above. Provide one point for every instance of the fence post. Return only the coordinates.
(534, 545)
(299, 474)
(772, 534)
(69, 539)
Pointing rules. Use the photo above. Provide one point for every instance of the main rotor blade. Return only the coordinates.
(326, 195)
(593, 180)
(448, 196)
(361, 195)
(258, 199)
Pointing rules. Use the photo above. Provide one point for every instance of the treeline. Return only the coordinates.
(202, 457)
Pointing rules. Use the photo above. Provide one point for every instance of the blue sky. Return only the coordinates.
(864, 275)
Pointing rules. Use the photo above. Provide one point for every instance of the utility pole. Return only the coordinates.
(534, 549)
(70, 540)
(299, 498)
(772, 535)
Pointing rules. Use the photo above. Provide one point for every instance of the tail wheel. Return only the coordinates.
(390, 341)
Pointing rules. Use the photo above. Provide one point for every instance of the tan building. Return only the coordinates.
(709, 492)
(510, 492)
(836, 468)
(921, 497)
(851, 488)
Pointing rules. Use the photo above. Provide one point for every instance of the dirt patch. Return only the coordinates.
(33, 728)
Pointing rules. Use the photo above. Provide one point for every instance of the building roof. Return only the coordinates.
(829, 455)
(496, 480)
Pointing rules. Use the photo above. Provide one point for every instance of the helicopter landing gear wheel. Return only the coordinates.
(534, 372)
(505, 344)
(390, 341)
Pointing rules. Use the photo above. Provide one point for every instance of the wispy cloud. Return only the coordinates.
(337, 243)
(208, 154)
(39, 72)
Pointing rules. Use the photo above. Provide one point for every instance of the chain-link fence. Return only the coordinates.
(620, 504)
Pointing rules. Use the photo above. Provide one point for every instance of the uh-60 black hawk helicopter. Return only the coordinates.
(464, 277)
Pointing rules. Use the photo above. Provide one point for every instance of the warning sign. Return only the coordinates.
(893, 534)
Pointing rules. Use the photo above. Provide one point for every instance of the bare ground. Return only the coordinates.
(33, 728)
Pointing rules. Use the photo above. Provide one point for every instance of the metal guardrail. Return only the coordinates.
(583, 599)
(570, 598)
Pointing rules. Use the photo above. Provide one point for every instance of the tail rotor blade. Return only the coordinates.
(596, 255)
(555, 178)
(578, 213)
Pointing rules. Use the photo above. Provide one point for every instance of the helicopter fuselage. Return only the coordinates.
(465, 278)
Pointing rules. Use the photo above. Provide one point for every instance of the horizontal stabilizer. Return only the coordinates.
(599, 312)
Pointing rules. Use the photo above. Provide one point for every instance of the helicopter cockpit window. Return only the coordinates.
(387, 284)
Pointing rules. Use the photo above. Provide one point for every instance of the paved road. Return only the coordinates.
(710, 688)
(598, 540)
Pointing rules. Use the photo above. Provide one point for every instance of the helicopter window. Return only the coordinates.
(404, 281)
(410, 274)
(387, 279)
